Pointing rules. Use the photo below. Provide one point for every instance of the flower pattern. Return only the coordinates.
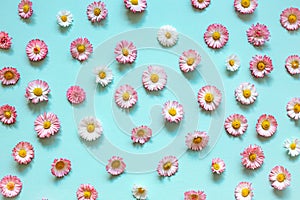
(96, 11)
(261, 66)
(81, 49)
(292, 64)
(154, 78)
(266, 125)
(168, 166)
(290, 19)
(236, 124)
(246, 93)
(10, 186)
(252, 157)
(216, 36)
(5, 40)
(189, 60)
(280, 177)
(36, 50)
(258, 34)
(136, 6)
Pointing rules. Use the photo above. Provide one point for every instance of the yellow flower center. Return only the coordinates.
(154, 78)
(236, 124)
(293, 145)
(216, 35)
(81, 48)
(245, 3)
(141, 133)
(265, 124)
(22, 153)
(231, 62)
(126, 96)
(134, 2)
(90, 128)
(36, 50)
(10, 185)
(297, 108)
(216, 166)
(197, 140)
(115, 164)
(167, 165)
(87, 194)
(245, 192)
(246, 93)
(7, 114)
(190, 61)
(172, 112)
(292, 18)
(200, 1)
(280, 177)
(141, 190)
(60, 165)
(209, 97)
(168, 35)
(125, 52)
(47, 124)
(261, 66)
(37, 91)
(97, 11)
(252, 157)
(26, 8)
(64, 18)
(194, 196)
(295, 64)
(8, 75)
(102, 75)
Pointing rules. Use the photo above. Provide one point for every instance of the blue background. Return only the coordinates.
(60, 70)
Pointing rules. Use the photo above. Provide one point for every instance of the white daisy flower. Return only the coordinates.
(104, 75)
(232, 63)
(90, 128)
(293, 147)
(167, 36)
(64, 18)
(139, 192)
(246, 93)
(154, 78)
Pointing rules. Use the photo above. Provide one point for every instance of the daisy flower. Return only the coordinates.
(8, 114)
(36, 50)
(168, 166)
(64, 18)
(216, 36)
(258, 34)
(141, 134)
(292, 64)
(46, 125)
(9, 76)
(135, 5)
(167, 36)
(60, 167)
(260, 66)
(293, 108)
(266, 125)
(200, 4)
(115, 166)
(236, 124)
(232, 63)
(209, 97)
(194, 195)
(104, 75)
(280, 177)
(245, 6)
(293, 147)
(243, 191)
(189, 60)
(25, 9)
(90, 128)
(86, 192)
(252, 157)
(290, 19)
(139, 192)
(196, 141)
(125, 52)
(218, 166)
(5, 40)
(154, 78)
(10, 186)
(126, 96)
(23, 153)
(96, 11)
(81, 48)
(37, 91)
(173, 111)
(75, 94)
(246, 93)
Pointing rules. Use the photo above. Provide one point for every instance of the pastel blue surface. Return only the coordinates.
(61, 71)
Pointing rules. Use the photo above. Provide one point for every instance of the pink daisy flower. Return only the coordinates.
(236, 124)
(9, 76)
(218, 166)
(81, 48)
(96, 11)
(154, 78)
(260, 66)
(46, 125)
(115, 166)
(86, 192)
(37, 91)
(60, 167)
(126, 96)
(23, 153)
(200, 4)
(209, 97)
(194, 195)
(135, 5)
(293, 108)
(25, 9)
(10, 186)
(5, 40)
(243, 191)
(292, 64)
(196, 141)
(189, 60)
(125, 52)
(258, 34)
(36, 50)
(266, 125)
(245, 6)
(173, 111)
(8, 114)
(75, 94)
(141, 134)
(290, 19)
(168, 166)
(252, 157)
(216, 36)
(246, 93)
(280, 177)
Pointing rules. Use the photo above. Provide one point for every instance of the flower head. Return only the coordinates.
(46, 125)
(141, 134)
(37, 91)
(252, 157)
(173, 111)
(209, 97)
(96, 11)
(218, 166)
(167, 36)
(216, 36)
(189, 60)
(104, 75)
(261, 66)
(36, 50)
(236, 124)
(280, 177)
(243, 191)
(139, 192)
(25, 9)
(245, 6)
(126, 96)
(23, 153)
(86, 192)
(154, 78)
(60, 167)
(10, 186)
(258, 34)
(196, 141)
(246, 93)
(290, 19)
(115, 166)
(125, 52)
(168, 166)
(81, 48)
(64, 18)
(8, 114)
(90, 128)
(292, 146)
(292, 64)
(135, 5)
(200, 4)
(232, 63)
(5, 40)
(194, 195)
(75, 94)
(9, 76)
(293, 108)
(266, 125)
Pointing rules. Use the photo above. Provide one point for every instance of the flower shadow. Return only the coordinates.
(171, 127)
(135, 18)
(64, 30)
(51, 142)
(251, 172)
(39, 107)
(23, 168)
(246, 17)
(9, 51)
(280, 193)
(38, 64)
(217, 177)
